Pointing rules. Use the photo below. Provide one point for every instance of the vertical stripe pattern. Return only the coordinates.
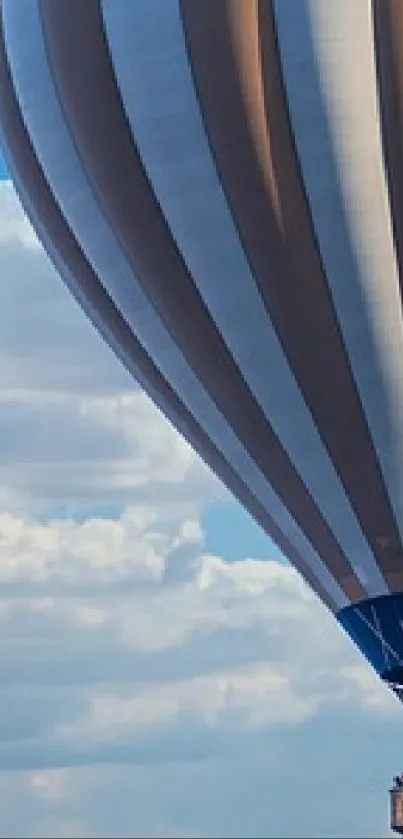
(220, 186)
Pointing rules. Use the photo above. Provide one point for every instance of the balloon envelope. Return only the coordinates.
(220, 185)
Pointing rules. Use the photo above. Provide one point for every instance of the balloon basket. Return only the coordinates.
(396, 810)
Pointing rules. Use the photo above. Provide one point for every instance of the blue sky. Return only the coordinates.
(163, 671)
(3, 169)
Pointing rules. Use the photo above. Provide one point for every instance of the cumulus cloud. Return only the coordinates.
(252, 697)
(49, 784)
(97, 550)
(284, 675)
(133, 660)
(75, 431)
(15, 227)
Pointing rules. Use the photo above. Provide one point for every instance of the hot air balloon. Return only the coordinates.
(220, 185)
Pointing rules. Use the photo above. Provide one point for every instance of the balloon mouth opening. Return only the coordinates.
(394, 675)
(376, 627)
(394, 679)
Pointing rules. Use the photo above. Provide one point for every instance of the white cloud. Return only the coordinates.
(253, 697)
(369, 690)
(133, 546)
(14, 226)
(49, 784)
(123, 639)
(71, 450)
(75, 431)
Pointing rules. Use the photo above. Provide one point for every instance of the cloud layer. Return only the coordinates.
(147, 686)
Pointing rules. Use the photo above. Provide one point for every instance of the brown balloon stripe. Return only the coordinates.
(59, 233)
(388, 37)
